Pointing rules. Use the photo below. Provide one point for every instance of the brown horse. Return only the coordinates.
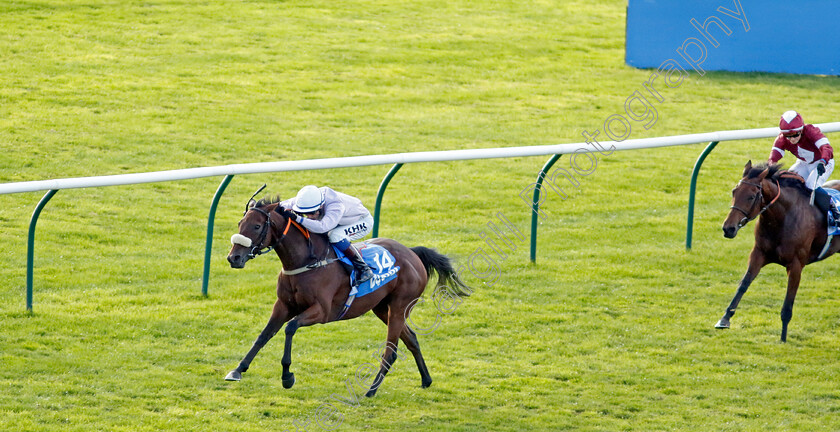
(313, 286)
(790, 231)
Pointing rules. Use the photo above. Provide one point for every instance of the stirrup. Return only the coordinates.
(349, 302)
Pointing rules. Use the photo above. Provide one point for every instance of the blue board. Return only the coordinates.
(735, 35)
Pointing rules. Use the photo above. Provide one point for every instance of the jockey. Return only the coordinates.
(341, 216)
(814, 153)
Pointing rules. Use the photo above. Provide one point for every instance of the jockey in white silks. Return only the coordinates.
(344, 218)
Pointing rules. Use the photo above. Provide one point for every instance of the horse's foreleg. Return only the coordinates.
(756, 262)
(396, 324)
(278, 317)
(723, 323)
(288, 376)
(794, 275)
(315, 314)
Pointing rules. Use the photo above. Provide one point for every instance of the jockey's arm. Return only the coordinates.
(332, 214)
(776, 154)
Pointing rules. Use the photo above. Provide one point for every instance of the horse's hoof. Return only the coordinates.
(370, 393)
(722, 324)
(234, 375)
(289, 381)
(426, 383)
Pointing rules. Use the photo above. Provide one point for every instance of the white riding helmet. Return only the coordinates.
(308, 200)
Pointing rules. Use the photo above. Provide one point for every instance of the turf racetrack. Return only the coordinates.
(612, 329)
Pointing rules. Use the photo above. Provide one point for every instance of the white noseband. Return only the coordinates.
(239, 239)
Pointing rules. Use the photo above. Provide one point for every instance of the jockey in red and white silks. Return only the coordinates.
(815, 157)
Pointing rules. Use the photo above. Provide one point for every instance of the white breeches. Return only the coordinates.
(352, 232)
(808, 171)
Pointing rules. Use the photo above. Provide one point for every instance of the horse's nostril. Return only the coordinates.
(729, 232)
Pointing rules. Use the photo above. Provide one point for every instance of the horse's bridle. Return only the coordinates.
(760, 194)
(257, 249)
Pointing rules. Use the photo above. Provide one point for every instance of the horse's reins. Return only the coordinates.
(746, 219)
(306, 268)
(257, 249)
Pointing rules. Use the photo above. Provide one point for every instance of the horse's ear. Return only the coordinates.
(747, 167)
(251, 204)
(763, 175)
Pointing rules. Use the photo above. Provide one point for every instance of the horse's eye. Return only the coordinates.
(257, 227)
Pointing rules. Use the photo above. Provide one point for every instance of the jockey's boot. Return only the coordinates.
(363, 271)
(823, 202)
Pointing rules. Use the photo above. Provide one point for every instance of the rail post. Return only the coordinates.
(208, 247)
(535, 205)
(379, 194)
(30, 248)
(692, 189)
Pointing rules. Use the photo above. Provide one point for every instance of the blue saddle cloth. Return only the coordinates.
(381, 262)
(833, 229)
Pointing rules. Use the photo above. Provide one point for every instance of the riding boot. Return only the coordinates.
(363, 271)
(823, 202)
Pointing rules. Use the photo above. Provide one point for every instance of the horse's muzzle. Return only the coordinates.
(237, 260)
(730, 231)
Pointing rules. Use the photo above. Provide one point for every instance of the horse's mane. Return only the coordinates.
(784, 177)
(268, 201)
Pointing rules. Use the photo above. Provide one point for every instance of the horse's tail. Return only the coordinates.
(440, 264)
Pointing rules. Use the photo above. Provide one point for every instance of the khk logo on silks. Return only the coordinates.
(354, 229)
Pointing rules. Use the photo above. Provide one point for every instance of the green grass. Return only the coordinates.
(611, 330)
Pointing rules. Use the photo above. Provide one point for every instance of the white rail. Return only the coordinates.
(357, 161)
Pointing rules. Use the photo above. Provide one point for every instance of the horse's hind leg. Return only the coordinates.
(409, 338)
(756, 262)
(396, 324)
(279, 315)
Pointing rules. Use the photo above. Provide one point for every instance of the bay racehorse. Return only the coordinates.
(790, 231)
(313, 286)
